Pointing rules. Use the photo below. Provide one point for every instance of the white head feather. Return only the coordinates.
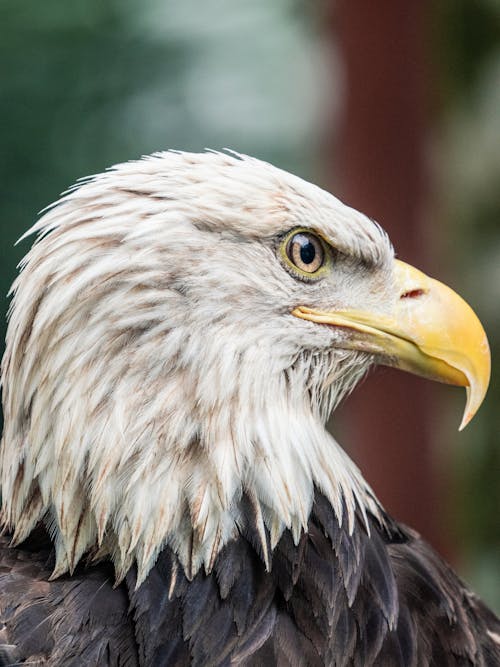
(154, 374)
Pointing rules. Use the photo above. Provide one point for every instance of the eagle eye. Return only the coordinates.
(305, 253)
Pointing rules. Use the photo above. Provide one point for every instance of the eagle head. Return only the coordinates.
(178, 335)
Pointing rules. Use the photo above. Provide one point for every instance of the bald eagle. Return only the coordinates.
(178, 335)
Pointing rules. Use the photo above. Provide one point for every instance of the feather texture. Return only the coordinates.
(127, 427)
(165, 438)
(395, 602)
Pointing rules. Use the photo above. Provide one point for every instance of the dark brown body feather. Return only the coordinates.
(380, 599)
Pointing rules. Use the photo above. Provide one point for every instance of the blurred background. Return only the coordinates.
(393, 106)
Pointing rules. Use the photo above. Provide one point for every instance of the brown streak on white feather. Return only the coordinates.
(142, 402)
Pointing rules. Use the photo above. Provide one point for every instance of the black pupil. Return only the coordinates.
(307, 250)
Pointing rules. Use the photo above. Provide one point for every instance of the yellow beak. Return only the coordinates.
(433, 332)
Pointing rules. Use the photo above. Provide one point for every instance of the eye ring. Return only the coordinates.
(305, 253)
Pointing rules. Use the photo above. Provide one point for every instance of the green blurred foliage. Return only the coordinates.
(90, 83)
(467, 41)
(467, 33)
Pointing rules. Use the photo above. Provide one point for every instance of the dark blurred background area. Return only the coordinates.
(394, 107)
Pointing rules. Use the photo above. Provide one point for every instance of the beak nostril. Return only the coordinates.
(413, 293)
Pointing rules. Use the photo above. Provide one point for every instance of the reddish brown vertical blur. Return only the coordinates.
(376, 162)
